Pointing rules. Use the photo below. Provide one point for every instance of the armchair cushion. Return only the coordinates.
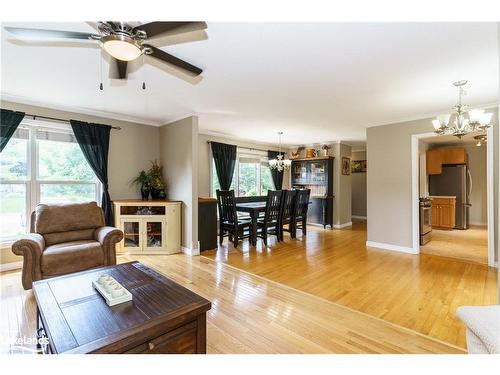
(71, 257)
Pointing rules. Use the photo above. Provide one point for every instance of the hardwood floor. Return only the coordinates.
(250, 314)
(418, 292)
(470, 245)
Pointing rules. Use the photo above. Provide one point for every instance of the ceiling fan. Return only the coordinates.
(125, 42)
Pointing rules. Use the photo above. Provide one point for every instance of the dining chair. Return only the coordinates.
(300, 211)
(229, 223)
(287, 212)
(269, 224)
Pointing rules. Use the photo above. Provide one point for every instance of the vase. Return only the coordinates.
(325, 152)
(162, 194)
(145, 193)
(155, 193)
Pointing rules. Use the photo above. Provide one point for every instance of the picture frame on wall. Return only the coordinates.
(346, 166)
(358, 166)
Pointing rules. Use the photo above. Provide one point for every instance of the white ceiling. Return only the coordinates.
(317, 82)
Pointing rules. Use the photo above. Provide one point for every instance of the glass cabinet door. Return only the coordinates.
(131, 234)
(154, 233)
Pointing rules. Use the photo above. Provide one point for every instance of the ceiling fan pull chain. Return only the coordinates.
(99, 56)
(143, 74)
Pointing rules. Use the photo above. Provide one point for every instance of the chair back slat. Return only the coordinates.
(302, 203)
(288, 204)
(273, 205)
(226, 205)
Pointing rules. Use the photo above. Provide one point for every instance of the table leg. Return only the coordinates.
(254, 214)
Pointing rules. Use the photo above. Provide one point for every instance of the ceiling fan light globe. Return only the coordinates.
(121, 47)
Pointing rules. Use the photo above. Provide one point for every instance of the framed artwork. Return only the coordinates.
(358, 166)
(346, 166)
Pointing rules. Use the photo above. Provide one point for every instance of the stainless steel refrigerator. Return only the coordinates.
(455, 180)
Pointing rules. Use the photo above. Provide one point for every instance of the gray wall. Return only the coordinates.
(341, 185)
(358, 189)
(389, 184)
(179, 157)
(477, 166)
(204, 160)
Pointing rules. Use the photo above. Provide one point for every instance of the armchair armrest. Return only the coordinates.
(108, 237)
(30, 247)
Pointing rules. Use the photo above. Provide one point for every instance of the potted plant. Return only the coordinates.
(157, 185)
(325, 149)
(143, 180)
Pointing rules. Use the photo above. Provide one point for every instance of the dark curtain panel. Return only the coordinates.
(94, 142)
(276, 175)
(225, 161)
(10, 120)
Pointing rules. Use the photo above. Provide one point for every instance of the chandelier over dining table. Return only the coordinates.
(280, 163)
(462, 121)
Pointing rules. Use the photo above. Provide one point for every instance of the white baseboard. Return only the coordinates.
(478, 224)
(11, 266)
(358, 217)
(191, 252)
(387, 246)
(344, 225)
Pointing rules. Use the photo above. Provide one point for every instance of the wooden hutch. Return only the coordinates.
(149, 227)
(316, 174)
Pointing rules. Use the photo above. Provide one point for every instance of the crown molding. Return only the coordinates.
(80, 110)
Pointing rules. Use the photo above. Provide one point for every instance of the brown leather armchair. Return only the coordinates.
(65, 239)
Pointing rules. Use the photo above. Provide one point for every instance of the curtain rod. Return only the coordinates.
(61, 120)
(251, 149)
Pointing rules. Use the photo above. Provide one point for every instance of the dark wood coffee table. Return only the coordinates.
(163, 316)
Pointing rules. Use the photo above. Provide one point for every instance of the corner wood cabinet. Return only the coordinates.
(316, 174)
(443, 212)
(149, 227)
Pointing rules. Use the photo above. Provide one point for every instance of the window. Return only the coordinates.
(41, 164)
(251, 175)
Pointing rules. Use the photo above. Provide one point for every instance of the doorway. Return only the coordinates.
(452, 196)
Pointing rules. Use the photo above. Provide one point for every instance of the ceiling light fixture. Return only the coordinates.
(462, 121)
(480, 139)
(279, 163)
(122, 47)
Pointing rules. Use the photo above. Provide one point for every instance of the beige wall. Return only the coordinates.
(204, 160)
(389, 180)
(477, 166)
(179, 157)
(358, 189)
(130, 150)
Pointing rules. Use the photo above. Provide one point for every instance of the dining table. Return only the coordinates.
(253, 209)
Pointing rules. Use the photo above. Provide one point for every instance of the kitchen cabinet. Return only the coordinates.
(436, 158)
(149, 227)
(443, 212)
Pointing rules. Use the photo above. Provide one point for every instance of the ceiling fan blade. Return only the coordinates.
(155, 29)
(41, 33)
(175, 61)
(117, 68)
